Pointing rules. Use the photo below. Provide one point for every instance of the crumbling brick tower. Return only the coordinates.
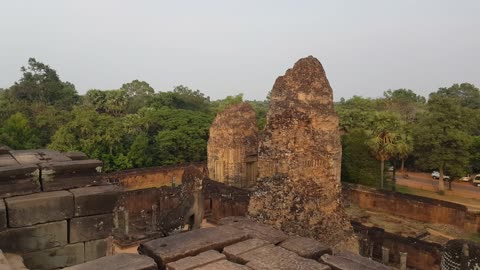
(233, 147)
(300, 157)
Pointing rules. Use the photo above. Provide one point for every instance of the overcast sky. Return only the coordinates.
(230, 47)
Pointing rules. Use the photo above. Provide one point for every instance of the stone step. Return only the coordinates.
(121, 261)
(350, 261)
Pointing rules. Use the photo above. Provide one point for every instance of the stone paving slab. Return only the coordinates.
(38, 208)
(95, 200)
(26, 157)
(350, 261)
(7, 160)
(193, 262)
(224, 265)
(55, 258)
(260, 231)
(178, 246)
(121, 261)
(70, 174)
(3, 215)
(274, 257)
(232, 252)
(19, 180)
(306, 247)
(90, 227)
(33, 238)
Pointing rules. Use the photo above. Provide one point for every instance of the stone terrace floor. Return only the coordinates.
(237, 243)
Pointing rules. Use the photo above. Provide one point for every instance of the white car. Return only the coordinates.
(465, 179)
(436, 175)
(476, 180)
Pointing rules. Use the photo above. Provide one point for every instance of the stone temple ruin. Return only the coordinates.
(300, 158)
(264, 200)
(233, 147)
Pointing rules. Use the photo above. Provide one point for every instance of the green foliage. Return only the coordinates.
(475, 154)
(358, 165)
(40, 83)
(17, 133)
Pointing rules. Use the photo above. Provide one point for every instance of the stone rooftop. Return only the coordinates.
(238, 243)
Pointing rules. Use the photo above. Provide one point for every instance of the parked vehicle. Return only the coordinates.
(436, 175)
(476, 180)
(465, 179)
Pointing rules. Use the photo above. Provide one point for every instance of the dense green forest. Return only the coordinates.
(136, 126)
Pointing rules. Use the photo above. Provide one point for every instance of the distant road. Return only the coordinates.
(425, 181)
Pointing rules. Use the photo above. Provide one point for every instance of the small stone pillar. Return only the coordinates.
(385, 255)
(464, 257)
(154, 218)
(125, 222)
(403, 260)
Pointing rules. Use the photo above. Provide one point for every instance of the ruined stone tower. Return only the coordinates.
(300, 157)
(233, 146)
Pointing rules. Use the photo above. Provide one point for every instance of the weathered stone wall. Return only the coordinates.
(47, 215)
(413, 207)
(156, 212)
(420, 254)
(224, 201)
(233, 146)
(300, 157)
(153, 177)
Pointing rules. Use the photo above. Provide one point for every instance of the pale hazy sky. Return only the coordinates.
(227, 47)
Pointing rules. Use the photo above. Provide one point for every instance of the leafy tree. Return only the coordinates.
(221, 104)
(404, 102)
(139, 93)
(356, 112)
(17, 133)
(440, 138)
(40, 83)
(475, 154)
(358, 165)
(467, 94)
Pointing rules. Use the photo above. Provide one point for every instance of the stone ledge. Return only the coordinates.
(122, 261)
(90, 228)
(34, 238)
(3, 215)
(19, 180)
(95, 200)
(38, 208)
(234, 251)
(70, 174)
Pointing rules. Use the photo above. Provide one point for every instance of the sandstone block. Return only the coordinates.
(193, 262)
(33, 238)
(19, 180)
(306, 247)
(90, 227)
(7, 160)
(178, 246)
(273, 257)
(76, 155)
(70, 174)
(3, 215)
(95, 200)
(350, 261)
(55, 258)
(224, 265)
(98, 248)
(121, 261)
(40, 207)
(232, 252)
(260, 231)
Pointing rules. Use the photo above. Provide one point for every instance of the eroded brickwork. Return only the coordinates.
(300, 158)
(233, 146)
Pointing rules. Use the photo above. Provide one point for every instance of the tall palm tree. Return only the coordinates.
(385, 138)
